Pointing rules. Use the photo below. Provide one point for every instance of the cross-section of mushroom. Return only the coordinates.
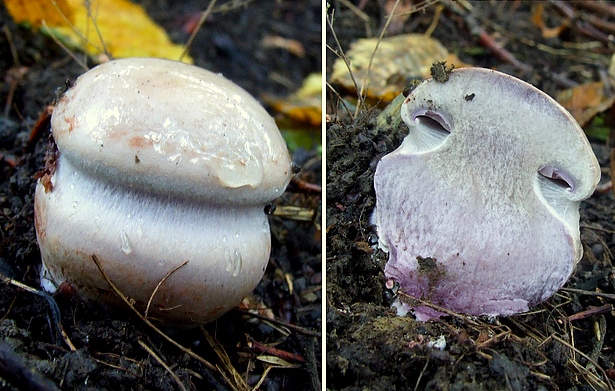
(479, 206)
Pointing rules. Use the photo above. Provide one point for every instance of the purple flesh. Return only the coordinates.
(489, 190)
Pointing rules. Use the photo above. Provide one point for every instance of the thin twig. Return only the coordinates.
(301, 186)
(164, 365)
(371, 59)
(339, 97)
(53, 306)
(204, 16)
(330, 18)
(151, 297)
(9, 38)
(260, 347)
(85, 40)
(149, 323)
(609, 296)
(293, 327)
(434, 21)
(67, 50)
(362, 15)
(226, 361)
(88, 7)
(263, 377)
(585, 356)
(610, 231)
(409, 299)
(119, 367)
(418, 381)
(486, 39)
(66, 339)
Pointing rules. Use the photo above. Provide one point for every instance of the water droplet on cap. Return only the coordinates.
(234, 262)
(126, 245)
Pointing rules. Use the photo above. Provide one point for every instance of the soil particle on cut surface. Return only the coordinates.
(107, 349)
(566, 343)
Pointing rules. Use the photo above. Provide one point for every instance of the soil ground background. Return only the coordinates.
(368, 346)
(108, 350)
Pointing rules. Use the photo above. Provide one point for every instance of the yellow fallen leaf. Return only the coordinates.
(54, 13)
(397, 61)
(277, 361)
(124, 28)
(538, 21)
(585, 101)
(304, 106)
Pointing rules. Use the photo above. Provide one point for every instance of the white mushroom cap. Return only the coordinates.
(193, 132)
(160, 163)
(488, 183)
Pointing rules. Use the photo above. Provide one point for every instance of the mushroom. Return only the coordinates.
(160, 163)
(479, 207)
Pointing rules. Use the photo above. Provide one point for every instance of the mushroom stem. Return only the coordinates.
(144, 231)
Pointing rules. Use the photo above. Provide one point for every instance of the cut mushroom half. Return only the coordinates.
(489, 188)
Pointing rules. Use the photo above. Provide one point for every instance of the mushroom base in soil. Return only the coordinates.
(159, 164)
(478, 208)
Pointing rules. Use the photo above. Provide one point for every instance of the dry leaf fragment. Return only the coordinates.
(292, 45)
(585, 101)
(547, 32)
(124, 27)
(35, 11)
(304, 106)
(277, 361)
(398, 60)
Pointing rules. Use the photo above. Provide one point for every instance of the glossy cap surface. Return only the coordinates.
(168, 127)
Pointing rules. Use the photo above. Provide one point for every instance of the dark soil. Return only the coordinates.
(368, 345)
(108, 348)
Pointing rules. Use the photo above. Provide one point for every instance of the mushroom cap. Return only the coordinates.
(487, 183)
(168, 127)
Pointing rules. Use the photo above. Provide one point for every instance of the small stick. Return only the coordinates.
(240, 383)
(9, 38)
(88, 7)
(259, 347)
(13, 77)
(67, 50)
(164, 365)
(204, 16)
(499, 51)
(42, 124)
(148, 322)
(55, 323)
(410, 299)
(418, 381)
(585, 356)
(609, 296)
(341, 54)
(300, 186)
(263, 377)
(365, 80)
(151, 297)
(293, 327)
(487, 40)
(610, 231)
